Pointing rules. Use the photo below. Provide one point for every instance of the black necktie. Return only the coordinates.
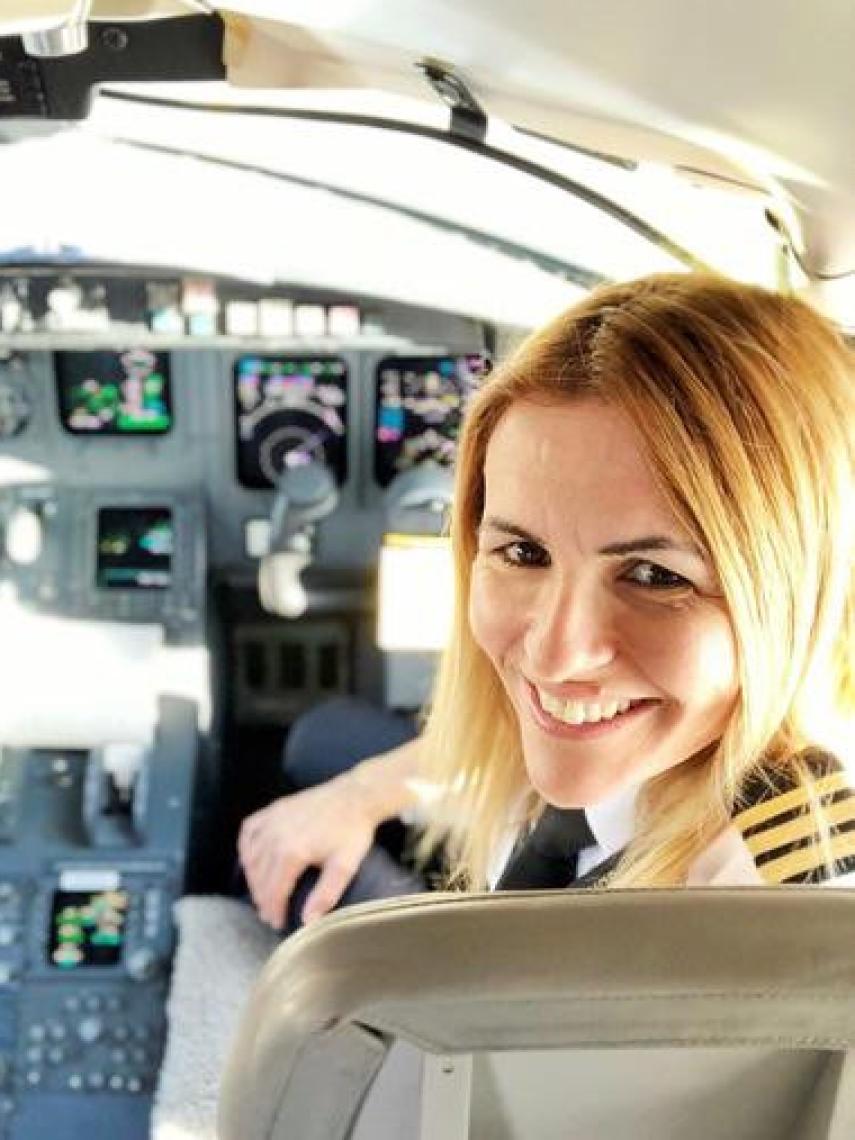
(546, 859)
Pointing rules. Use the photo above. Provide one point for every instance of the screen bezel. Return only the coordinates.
(341, 465)
(54, 943)
(62, 386)
(423, 361)
(134, 508)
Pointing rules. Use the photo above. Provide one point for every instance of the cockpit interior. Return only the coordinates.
(245, 298)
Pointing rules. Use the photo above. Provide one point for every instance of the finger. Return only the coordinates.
(255, 850)
(244, 850)
(336, 876)
(280, 879)
(251, 831)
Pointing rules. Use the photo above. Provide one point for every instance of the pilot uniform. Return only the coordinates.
(770, 840)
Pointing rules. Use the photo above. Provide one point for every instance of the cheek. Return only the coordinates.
(491, 618)
(717, 659)
(695, 660)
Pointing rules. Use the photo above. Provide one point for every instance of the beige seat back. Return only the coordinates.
(696, 1014)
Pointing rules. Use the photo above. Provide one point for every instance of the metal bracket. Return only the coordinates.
(61, 86)
(446, 1097)
(468, 117)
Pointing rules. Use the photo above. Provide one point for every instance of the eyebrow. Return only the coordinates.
(645, 542)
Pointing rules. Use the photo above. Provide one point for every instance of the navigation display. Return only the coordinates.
(290, 411)
(114, 393)
(420, 402)
(135, 548)
(87, 928)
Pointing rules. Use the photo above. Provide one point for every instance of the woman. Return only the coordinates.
(653, 541)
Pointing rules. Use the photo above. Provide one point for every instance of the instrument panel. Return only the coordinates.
(135, 547)
(289, 411)
(114, 393)
(226, 423)
(419, 402)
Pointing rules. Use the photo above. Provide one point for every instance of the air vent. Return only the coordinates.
(283, 668)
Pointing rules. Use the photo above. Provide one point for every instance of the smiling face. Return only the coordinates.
(604, 622)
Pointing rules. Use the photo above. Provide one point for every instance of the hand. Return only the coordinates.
(330, 827)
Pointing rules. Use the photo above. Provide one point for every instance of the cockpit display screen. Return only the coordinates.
(114, 393)
(420, 402)
(135, 548)
(87, 928)
(290, 411)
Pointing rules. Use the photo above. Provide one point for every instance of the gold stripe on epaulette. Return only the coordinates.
(798, 797)
(795, 829)
(807, 859)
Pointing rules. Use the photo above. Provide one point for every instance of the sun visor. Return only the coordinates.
(269, 54)
(263, 52)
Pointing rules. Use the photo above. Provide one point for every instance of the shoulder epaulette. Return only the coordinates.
(781, 831)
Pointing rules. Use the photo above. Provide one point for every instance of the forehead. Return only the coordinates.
(586, 440)
(582, 460)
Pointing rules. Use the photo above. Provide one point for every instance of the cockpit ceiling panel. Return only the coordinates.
(548, 74)
(695, 86)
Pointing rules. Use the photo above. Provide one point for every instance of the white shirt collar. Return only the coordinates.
(612, 820)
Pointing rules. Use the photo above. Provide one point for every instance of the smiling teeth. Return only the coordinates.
(581, 712)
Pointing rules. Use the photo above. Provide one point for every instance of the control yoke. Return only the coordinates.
(304, 495)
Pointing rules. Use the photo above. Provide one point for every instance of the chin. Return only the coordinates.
(576, 786)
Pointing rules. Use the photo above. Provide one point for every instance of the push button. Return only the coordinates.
(90, 1029)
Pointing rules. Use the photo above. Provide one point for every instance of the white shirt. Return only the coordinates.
(612, 821)
(727, 862)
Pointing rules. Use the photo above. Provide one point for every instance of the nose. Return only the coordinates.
(571, 634)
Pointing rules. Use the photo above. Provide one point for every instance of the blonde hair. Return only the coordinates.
(745, 400)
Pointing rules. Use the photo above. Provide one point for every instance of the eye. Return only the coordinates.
(656, 577)
(523, 553)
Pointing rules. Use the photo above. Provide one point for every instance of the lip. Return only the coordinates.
(554, 727)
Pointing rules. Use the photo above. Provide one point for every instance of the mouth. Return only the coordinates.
(575, 720)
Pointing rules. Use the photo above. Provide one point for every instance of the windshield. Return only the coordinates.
(393, 211)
